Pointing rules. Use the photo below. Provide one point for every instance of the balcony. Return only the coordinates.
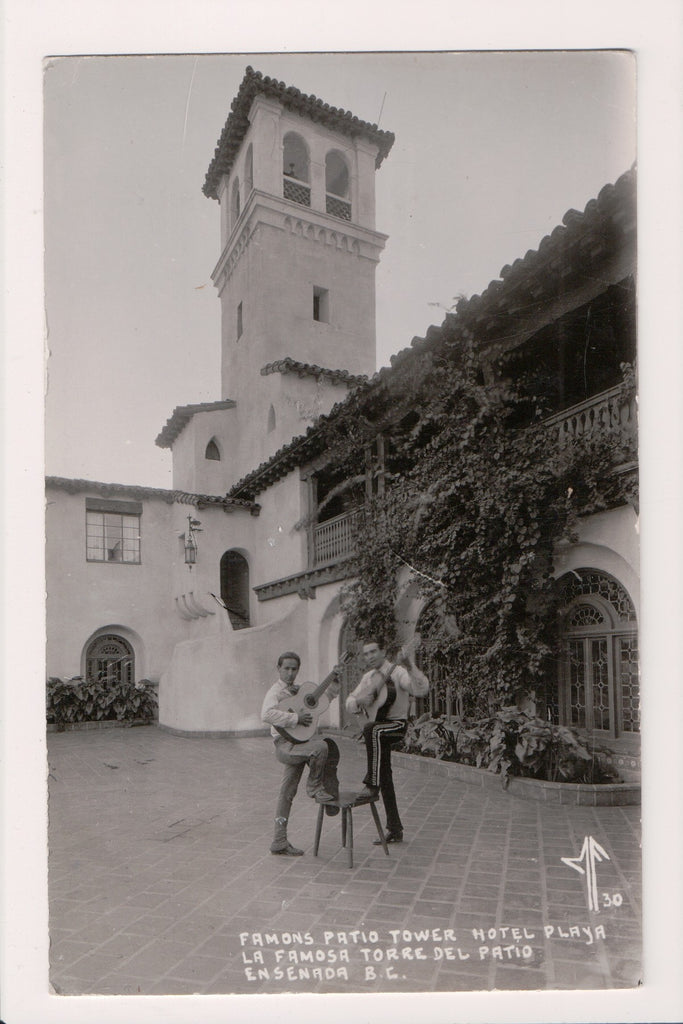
(335, 538)
(604, 412)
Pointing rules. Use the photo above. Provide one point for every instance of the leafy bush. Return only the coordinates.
(81, 700)
(512, 743)
(476, 499)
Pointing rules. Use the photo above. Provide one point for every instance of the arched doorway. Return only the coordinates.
(350, 674)
(235, 588)
(598, 685)
(109, 658)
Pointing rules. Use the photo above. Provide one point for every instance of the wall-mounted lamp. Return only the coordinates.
(193, 526)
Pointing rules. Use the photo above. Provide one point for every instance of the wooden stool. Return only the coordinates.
(346, 802)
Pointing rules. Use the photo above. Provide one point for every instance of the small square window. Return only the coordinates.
(321, 305)
(112, 538)
(112, 530)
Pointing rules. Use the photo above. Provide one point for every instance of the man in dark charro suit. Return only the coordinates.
(388, 728)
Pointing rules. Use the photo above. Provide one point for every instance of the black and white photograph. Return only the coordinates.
(443, 549)
(342, 528)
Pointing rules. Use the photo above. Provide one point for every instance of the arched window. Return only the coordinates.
(295, 157)
(295, 169)
(271, 420)
(598, 686)
(336, 175)
(235, 588)
(248, 171)
(235, 202)
(212, 451)
(110, 659)
(337, 185)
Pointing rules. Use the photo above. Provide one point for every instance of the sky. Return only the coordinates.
(491, 150)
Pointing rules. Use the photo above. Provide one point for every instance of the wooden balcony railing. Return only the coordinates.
(606, 411)
(334, 539)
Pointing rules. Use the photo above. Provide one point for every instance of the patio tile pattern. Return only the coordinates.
(161, 880)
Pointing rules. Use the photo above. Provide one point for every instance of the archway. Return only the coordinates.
(598, 685)
(234, 571)
(110, 658)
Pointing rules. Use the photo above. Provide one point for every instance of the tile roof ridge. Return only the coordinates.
(237, 123)
(289, 365)
(182, 414)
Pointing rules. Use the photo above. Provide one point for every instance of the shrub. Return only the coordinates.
(512, 743)
(81, 700)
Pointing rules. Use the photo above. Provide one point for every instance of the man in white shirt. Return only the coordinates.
(313, 752)
(388, 727)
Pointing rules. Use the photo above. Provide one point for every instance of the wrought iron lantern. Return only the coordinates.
(193, 527)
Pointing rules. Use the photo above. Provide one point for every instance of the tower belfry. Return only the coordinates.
(295, 179)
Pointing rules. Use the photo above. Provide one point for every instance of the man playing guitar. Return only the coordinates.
(315, 752)
(388, 726)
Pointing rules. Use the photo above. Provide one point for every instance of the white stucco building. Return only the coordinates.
(202, 586)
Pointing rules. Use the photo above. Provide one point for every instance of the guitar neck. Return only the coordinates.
(319, 690)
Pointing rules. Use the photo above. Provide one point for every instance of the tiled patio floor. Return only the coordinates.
(161, 880)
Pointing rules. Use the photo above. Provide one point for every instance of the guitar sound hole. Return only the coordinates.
(310, 701)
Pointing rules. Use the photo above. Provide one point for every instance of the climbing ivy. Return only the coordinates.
(483, 495)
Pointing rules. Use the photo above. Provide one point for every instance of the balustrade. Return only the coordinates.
(335, 538)
(603, 412)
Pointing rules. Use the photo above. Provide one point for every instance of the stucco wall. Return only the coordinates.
(286, 265)
(608, 542)
(192, 471)
(84, 597)
(217, 684)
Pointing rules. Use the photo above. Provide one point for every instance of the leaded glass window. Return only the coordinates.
(109, 659)
(599, 684)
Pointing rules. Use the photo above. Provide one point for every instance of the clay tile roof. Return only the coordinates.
(181, 416)
(236, 126)
(608, 221)
(289, 365)
(108, 490)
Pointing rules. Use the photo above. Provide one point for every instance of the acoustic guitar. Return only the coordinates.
(380, 692)
(312, 698)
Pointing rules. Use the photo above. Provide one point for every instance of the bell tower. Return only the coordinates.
(295, 180)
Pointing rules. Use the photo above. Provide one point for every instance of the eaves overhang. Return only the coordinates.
(73, 485)
(181, 416)
(291, 98)
(602, 236)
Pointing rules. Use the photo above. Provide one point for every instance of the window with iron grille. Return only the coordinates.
(112, 531)
(110, 659)
(295, 169)
(599, 685)
(338, 207)
(296, 192)
(337, 186)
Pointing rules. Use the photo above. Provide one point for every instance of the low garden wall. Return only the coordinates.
(611, 794)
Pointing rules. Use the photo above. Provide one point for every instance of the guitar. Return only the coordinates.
(309, 697)
(380, 693)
